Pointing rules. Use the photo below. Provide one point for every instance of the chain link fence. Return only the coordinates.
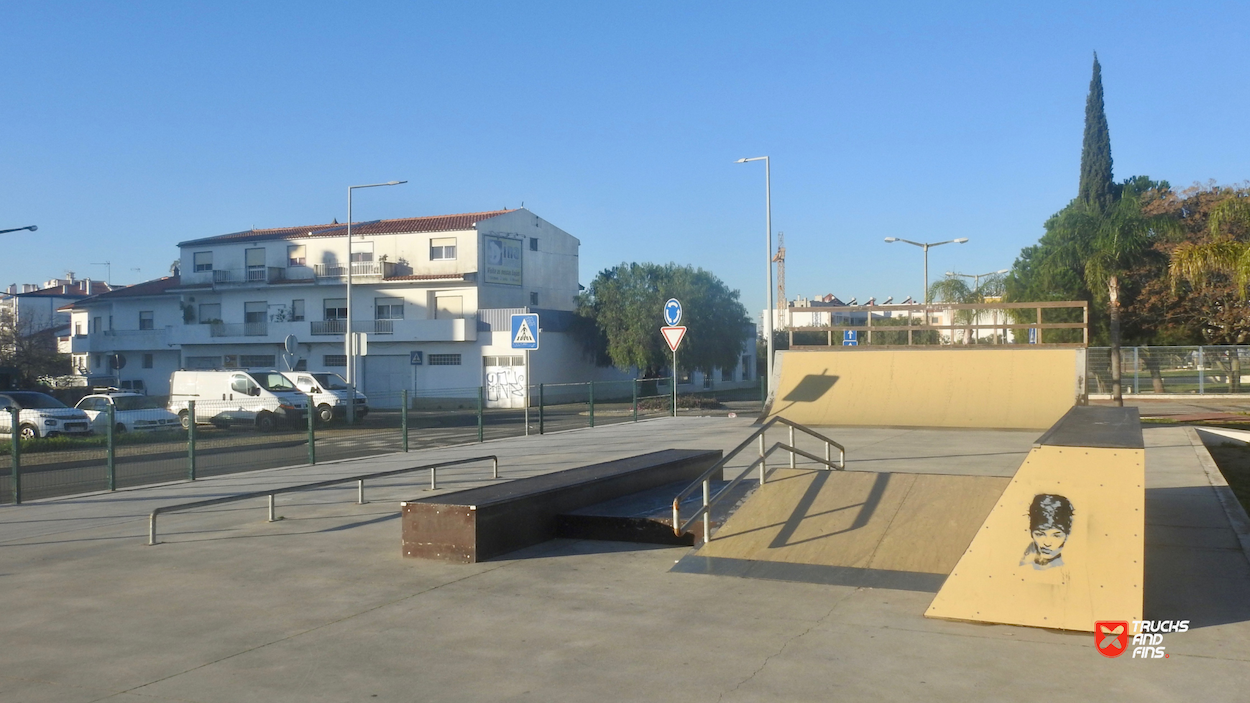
(136, 441)
(1146, 370)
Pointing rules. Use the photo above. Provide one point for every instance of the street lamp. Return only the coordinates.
(32, 228)
(891, 240)
(347, 341)
(768, 259)
(976, 277)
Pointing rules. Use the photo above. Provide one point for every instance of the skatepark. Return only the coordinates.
(853, 582)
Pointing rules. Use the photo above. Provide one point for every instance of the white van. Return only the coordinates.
(262, 398)
(328, 392)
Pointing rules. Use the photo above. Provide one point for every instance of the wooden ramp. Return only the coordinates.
(856, 528)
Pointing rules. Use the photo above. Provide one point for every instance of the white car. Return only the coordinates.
(131, 413)
(40, 415)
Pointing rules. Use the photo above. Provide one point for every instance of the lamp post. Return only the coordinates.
(32, 228)
(768, 259)
(976, 287)
(891, 240)
(347, 341)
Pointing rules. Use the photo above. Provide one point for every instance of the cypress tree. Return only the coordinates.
(1097, 190)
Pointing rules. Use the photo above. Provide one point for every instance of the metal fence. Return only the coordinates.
(150, 444)
(1146, 370)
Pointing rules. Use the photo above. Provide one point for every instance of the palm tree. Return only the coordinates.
(1195, 261)
(1113, 240)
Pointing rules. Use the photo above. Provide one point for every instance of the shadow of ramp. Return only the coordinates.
(809, 389)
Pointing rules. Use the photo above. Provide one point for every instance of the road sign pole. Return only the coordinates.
(527, 392)
(15, 448)
(191, 440)
(403, 416)
(674, 383)
(110, 458)
(312, 433)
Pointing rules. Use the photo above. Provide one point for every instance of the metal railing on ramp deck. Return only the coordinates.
(705, 480)
(360, 491)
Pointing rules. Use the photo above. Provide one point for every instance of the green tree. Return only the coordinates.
(1096, 189)
(30, 350)
(623, 311)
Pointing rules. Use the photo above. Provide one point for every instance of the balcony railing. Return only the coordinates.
(239, 329)
(328, 327)
(384, 327)
(364, 269)
(222, 276)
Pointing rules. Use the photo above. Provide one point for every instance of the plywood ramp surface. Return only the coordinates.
(1002, 388)
(917, 523)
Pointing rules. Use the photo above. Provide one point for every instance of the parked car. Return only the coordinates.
(132, 412)
(41, 415)
(328, 393)
(224, 397)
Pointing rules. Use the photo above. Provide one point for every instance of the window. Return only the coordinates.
(297, 310)
(746, 367)
(147, 361)
(296, 255)
(685, 377)
(443, 359)
(250, 361)
(95, 325)
(533, 243)
(146, 321)
(362, 251)
(203, 362)
(388, 308)
(95, 361)
(534, 298)
(334, 360)
(448, 307)
(334, 309)
(726, 374)
(210, 312)
(77, 329)
(203, 260)
(255, 312)
(443, 249)
(255, 259)
(503, 361)
(230, 361)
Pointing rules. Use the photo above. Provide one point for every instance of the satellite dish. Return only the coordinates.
(291, 344)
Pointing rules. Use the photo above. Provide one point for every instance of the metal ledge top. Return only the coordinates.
(1098, 427)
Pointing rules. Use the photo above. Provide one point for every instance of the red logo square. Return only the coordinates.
(1111, 637)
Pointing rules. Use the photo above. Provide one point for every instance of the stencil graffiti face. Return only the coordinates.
(1050, 524)
(1049, 544)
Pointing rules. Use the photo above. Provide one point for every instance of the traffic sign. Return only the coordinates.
(850, 338)
(1032, 335)
(672, 312)
(673, 335)
(416, 358)
(525, 331)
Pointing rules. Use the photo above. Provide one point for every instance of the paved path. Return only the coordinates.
(321, 607)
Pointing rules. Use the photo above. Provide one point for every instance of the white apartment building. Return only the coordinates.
(433, 295)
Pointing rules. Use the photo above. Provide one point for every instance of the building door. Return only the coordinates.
(505, 381)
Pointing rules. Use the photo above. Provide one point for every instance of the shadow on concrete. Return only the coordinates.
(808, 390)
(1195, 569)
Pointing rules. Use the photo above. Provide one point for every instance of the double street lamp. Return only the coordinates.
(32, 228)
(768, 259)
(348, 341)
(925, 246)
(976, 277)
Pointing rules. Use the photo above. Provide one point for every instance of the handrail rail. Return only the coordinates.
(705, 479)
(360, 495)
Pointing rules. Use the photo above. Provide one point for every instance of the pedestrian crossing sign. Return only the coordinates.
(525, 331)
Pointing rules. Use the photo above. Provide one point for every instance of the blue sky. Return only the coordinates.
(128, 127)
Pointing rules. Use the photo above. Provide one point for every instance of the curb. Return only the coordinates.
(1236, 514)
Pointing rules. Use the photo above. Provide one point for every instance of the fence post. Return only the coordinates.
(541, 425)
(1201, 373)
(15, 447)
(763, 392)
(1136, 370)
(312, 432)
(634, 383)
(403, 416)
(481, 401)
(592, 403)
(191, 440)
(110, 459)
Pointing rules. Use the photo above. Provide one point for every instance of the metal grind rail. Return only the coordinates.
(360, 489)
(705, 480)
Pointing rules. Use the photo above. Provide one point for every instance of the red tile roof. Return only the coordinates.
(78, 290)
(153, 287)
(436, 223)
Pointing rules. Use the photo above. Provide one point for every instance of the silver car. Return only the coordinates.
(40, 415)
(131, 413)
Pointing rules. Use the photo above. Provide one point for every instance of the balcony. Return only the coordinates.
(328, 327)
(238, 329)
(454, 330)
(121, 340)
(360, 269)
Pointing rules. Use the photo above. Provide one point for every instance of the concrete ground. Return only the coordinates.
(321, 607)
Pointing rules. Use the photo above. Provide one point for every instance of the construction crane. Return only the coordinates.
(780, 258)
